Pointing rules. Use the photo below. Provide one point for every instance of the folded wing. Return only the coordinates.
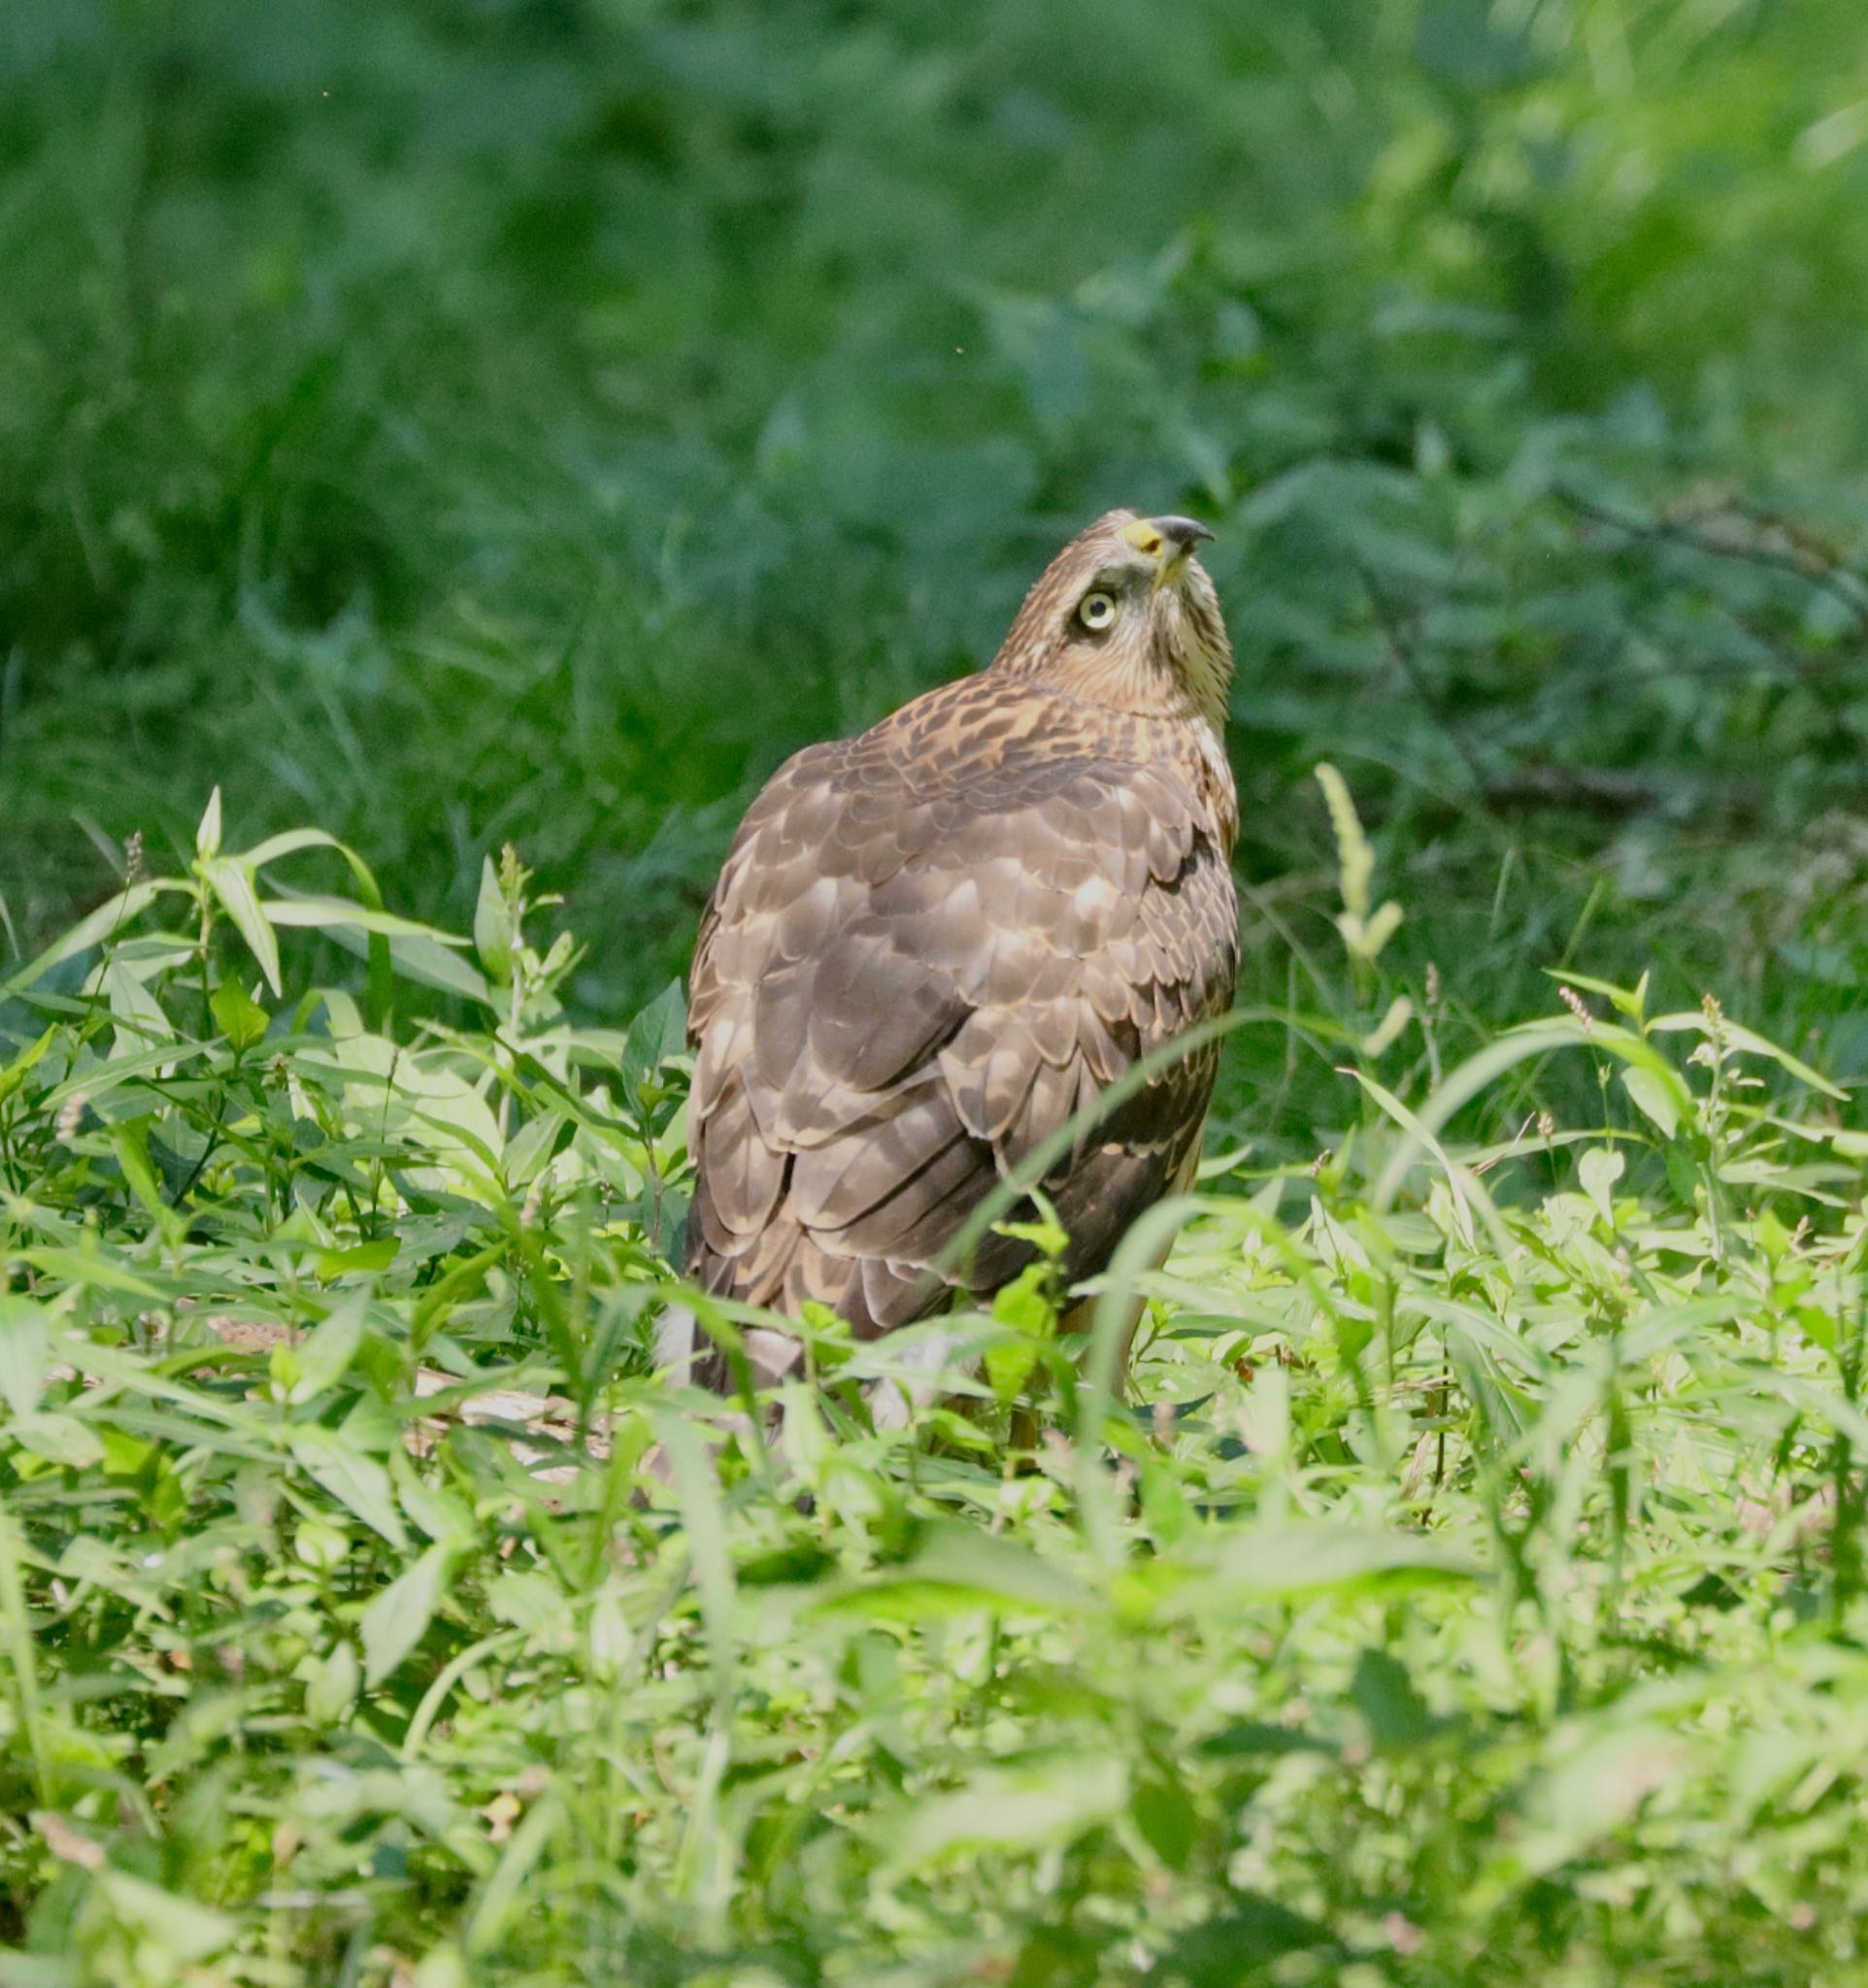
(917, 966)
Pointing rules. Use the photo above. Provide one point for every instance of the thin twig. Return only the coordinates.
(1800, 560)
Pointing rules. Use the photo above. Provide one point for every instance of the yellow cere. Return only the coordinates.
(1143, 537)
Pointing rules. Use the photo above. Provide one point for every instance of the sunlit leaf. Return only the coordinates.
(356, 1481)
(233, 884)
(1044, 1802)
(398, 1618)
(24, 1351)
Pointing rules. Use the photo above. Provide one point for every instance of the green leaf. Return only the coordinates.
(1385, 1694)
(1654, 1100)
(419, 958)
(398, 1618)
(1007, 1366)
(1625, 1001)
(38, 1971)
(235, 885)
(1039, 1804)
(16, 1072)
(1026, 1306)
(323, 1357)
(442, 1966)
(446, 1519)
(59, 1438)
(172, 1928)
(91, 1268)
(1165, 1818)
(374, 947)
(243, 1021)
(109, 918)
(1598, 1170)
(958, 1568)
(140, 1019)
(358, 1483)
(207, 837)
(1322, 1558)
(657, 1033)
(494, 933)
(25, 1353)
(1749, 1042)
(697, 1489)
(503, 1895)
(291, 841)
(1256, 1739)
(333, 1687)
(361, 1257)
(1237, 1949)
(130, 1142)
(327, 914)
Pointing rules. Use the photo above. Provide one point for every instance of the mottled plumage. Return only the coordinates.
(932, 943)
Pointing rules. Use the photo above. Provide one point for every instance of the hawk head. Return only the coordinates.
(1126, 617)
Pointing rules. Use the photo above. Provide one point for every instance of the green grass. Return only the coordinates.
(1474, 1591)
(463, 422)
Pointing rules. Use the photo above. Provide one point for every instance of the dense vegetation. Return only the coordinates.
(468, 422)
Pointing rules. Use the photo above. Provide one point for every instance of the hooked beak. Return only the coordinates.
(1170, 539)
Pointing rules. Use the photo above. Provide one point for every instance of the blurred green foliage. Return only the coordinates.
(455, 420)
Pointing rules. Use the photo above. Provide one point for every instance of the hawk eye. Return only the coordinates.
(1096, 612)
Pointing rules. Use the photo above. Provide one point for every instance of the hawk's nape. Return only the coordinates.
(931, 945)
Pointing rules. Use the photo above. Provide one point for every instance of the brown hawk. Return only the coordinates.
(931, 945)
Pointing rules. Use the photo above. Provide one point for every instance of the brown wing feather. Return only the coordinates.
(928, 947)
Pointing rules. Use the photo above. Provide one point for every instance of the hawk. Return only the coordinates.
(931, 945)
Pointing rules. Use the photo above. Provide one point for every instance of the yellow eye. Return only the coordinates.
(1096, 612)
